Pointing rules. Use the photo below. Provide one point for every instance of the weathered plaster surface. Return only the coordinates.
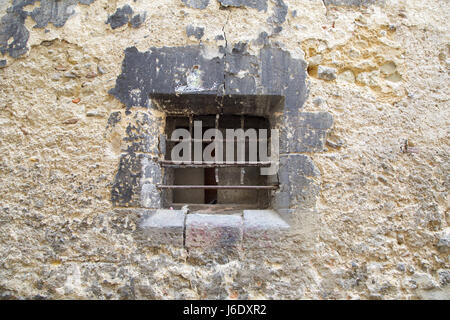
(378, 227)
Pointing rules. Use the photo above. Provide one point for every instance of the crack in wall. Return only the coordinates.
(224, 57)
(326, 8)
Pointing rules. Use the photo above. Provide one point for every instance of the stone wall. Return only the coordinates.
(366, 89)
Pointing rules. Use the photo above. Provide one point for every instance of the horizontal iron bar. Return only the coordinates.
(176, 164)
(160, 186)
(218, 140)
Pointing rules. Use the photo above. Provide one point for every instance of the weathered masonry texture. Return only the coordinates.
(358, 90)
(271, 78)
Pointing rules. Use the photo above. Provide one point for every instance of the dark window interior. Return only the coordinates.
(243, 182)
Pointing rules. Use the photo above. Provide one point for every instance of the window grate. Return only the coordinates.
(190, 186)
(215, 182)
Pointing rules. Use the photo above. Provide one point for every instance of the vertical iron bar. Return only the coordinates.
(242, 173)
(216, 170)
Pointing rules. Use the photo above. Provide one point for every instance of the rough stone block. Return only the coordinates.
(307, 140)
(162, 71)
(150, 196)
(163, 227)
(210, 231)
(135, 182)
(443, 244)
(283, 75)
(196, 32)
(304, 192)
(316, 120)
(326, 73)
(138, 20)
(152, 175)
(263, 228)
(297, 189)
(120, 17)
(127, 182)
(304, 131)
(299, 165)
(142, 133)
(281, 200)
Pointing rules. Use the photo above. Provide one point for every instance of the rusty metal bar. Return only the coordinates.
(176, 164)
(216, 170)
(162, 145)
(216, 174)
(242, 173)
(217, 140)
(160, 186)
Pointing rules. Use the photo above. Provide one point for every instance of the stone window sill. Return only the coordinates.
(251, 228)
